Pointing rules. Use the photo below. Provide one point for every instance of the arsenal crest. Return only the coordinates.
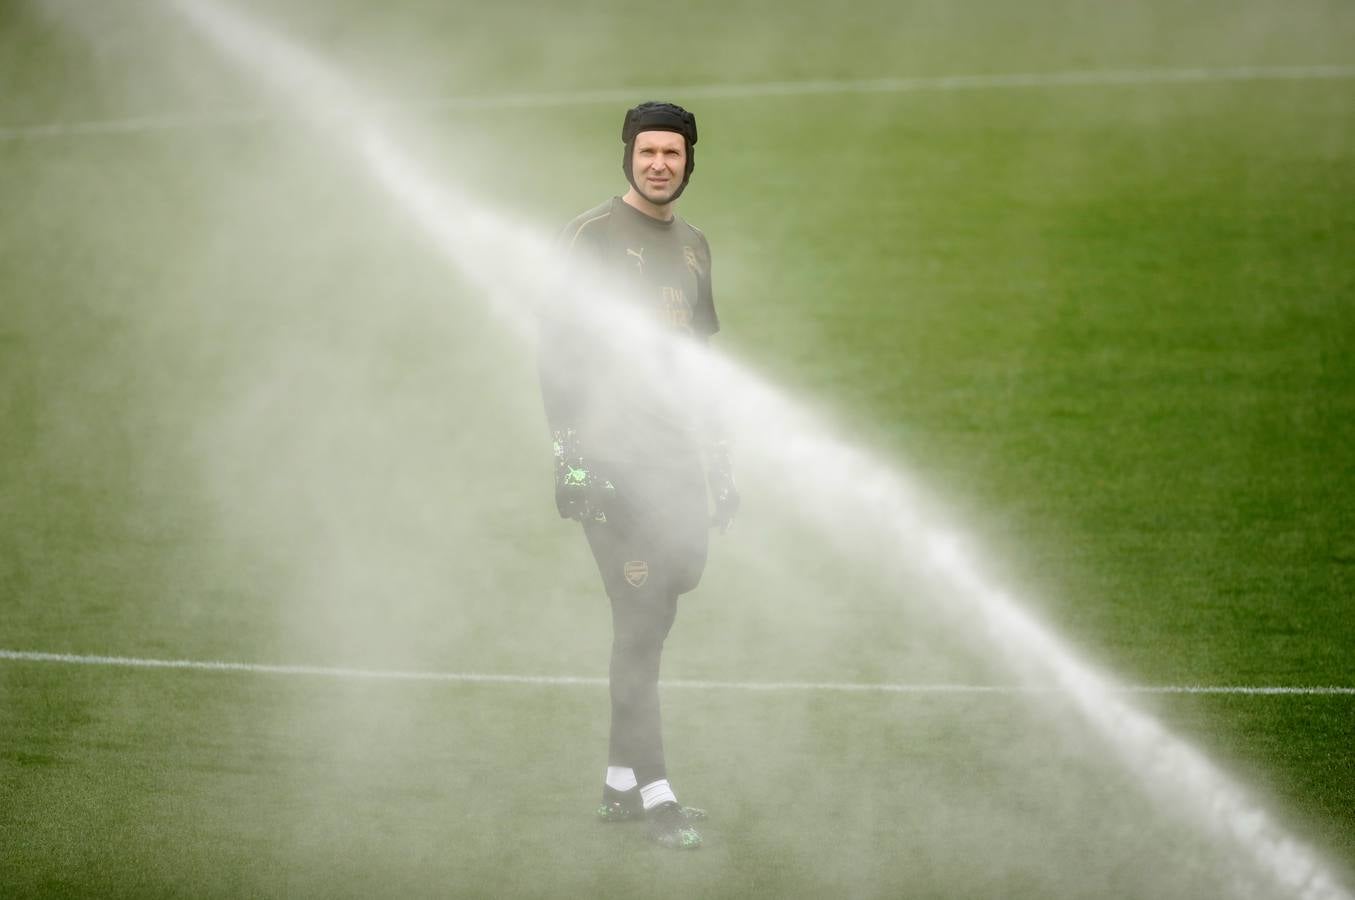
(689, 254)
(636, 572)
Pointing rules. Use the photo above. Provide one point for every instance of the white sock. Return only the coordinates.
(620, 778)
(657, 792)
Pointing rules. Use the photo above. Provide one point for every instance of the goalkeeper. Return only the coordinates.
(629, 453)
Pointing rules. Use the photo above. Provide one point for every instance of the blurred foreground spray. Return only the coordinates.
(849, 492)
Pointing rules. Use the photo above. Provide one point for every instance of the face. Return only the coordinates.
(658, 163)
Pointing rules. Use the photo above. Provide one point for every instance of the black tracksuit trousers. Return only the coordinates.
(651, 549)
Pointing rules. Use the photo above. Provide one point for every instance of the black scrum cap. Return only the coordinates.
(655, 116)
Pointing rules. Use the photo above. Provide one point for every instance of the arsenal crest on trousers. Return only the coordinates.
(636, 572)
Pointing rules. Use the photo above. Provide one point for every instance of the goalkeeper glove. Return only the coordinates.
(720, 476)
(579, 493)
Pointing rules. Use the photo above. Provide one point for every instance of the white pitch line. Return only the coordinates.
(575, 680)
(737, 91)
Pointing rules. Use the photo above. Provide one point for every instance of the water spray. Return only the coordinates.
(849, 486)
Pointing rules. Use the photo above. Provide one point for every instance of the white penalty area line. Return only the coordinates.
(736, 91)
(581, 681)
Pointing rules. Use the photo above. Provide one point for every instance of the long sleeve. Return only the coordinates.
(564, 361)
(561, 366)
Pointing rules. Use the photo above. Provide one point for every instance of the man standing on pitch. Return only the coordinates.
(629, 452)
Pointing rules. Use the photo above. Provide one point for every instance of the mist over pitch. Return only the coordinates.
(852, 499)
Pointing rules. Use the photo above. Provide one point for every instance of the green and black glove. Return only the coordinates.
(579, 493)
(720, 476)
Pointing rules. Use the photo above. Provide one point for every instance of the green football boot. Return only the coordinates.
(626, 806)
(670, 827)
(620, 806)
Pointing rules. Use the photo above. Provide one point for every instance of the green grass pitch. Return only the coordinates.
(246, 414)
